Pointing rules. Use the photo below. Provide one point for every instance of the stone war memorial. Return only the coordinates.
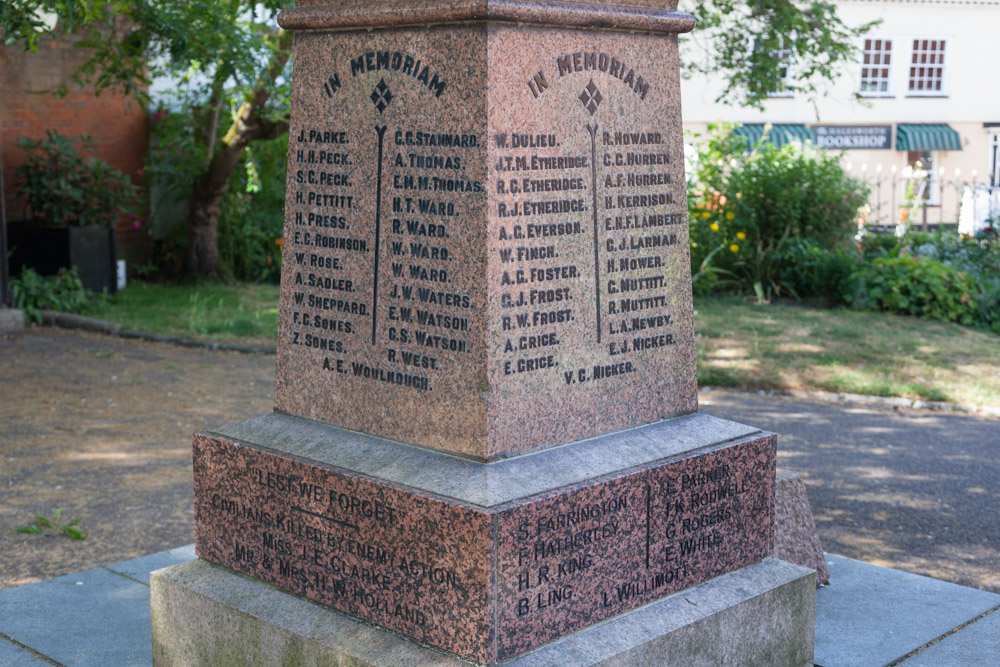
(486, 444)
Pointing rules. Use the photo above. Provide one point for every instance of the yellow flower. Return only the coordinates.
(730, 215)
(741, 235)
(734, 248)
(706, 214)
(714, 226)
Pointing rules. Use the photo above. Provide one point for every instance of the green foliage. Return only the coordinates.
(988, 300)
(808, 34)
(875, 246)
(810, 270)
(976, 259)
(251, 212)
(63, 292)
(918, 286)
(251, 216)
(43, 524)
(752, 204)
(132, 42)
(63, 188)
(979, 254)
(230, 62)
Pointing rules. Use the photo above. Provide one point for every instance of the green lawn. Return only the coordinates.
(801, 348)
(740, 344)
(245, 314)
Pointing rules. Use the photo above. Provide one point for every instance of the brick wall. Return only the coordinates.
(116, 124)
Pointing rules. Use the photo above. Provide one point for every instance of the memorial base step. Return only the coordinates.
(486, 561)
(204, 614)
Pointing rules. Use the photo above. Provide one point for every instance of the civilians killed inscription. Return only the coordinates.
(413, 562)
(457, 263)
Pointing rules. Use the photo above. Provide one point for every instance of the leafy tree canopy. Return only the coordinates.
(749, 43)
(230, 59)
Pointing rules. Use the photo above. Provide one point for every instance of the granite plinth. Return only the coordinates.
(640, 16)
(796, 539)
(759, 615)
(486, 561)
(486, 244)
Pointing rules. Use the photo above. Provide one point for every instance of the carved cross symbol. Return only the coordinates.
(591, 98)
(381, 96)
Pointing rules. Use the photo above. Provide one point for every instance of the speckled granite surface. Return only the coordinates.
(640, 16)
(486, 279)
(485, 241)
(796, 538)
(759, 615)
(486, 582)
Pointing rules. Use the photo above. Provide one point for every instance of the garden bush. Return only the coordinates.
(876, 246)
(64, 292)
(252, 214)
(747, 206)
(808, 270)
(918, 286)
(61, 187)
(928, 271)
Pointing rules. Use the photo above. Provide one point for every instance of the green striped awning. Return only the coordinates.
(779, 135)
(927, 138)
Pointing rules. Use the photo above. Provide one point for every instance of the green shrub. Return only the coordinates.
(988, 300)
(751, 204)
(918, 286)
(875, 246)
(252, 214)
(64, 292)
(60, 187)
(809, 270)
(978, 255)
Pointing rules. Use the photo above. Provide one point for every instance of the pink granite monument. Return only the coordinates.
(486, 433)
(486, 237)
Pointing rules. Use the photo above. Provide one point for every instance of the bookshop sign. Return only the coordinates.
(839, 137)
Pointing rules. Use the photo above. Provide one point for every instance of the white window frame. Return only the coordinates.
(785, 58)
(945, 59)
(880, 52)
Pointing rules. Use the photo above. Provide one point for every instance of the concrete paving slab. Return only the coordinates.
(976, 645)
(871, 615)
(12, 655)
(139, 568)
(93, 618)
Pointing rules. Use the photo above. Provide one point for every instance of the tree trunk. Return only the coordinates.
(248, 126)
(203, 231)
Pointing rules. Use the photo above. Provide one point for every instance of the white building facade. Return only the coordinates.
(924, 94)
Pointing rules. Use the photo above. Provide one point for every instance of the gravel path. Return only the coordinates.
(102, 427)
(907, 489)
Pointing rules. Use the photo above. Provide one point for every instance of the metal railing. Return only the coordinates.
(923, 199)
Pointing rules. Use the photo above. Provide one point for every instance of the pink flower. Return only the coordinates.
(137, 224)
